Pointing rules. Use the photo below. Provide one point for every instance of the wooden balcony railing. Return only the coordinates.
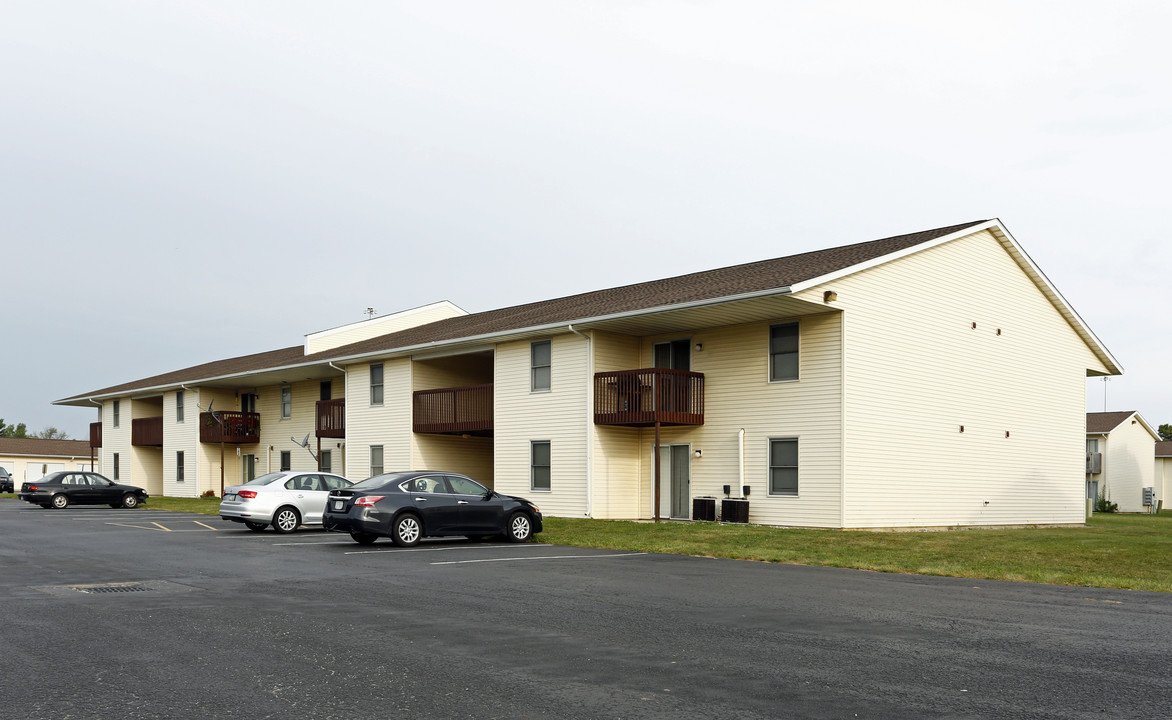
(232, 427)
(641, 398)
(147, 432)
(96, 435)
(454, 411)
(331, 418)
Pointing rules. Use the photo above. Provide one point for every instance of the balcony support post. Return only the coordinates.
(656, 471)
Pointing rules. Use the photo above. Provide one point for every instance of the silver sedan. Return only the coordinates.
(285, 500)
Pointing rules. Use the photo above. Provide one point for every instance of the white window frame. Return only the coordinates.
(382, 375)
(286, 402)
(179, 399)
(381, 460)
(533, 466)
(798, 353)
(180, 466)
(117, 412)
(769, 466)
(286, 467)
(534, 367)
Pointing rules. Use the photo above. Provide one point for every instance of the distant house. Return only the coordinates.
(1119, 458)
(30, 459)
(922, 380)
(1164, 470)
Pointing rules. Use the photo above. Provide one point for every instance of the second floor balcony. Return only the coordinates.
(230, 427)
(641, 398)
(454, 411)
(147, 432)
(331, 418)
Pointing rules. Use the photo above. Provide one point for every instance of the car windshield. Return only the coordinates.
(266, 479)
(378, 481)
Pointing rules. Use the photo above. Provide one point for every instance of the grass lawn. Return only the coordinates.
(1113, 551)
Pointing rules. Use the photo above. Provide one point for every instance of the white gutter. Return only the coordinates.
(589, 419)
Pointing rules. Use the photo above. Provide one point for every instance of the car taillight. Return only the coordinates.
(368, 500)
(247, 493)
(32, 487)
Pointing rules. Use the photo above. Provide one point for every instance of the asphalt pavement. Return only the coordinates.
(143, 614)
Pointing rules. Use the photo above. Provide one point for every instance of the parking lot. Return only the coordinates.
(150, 614)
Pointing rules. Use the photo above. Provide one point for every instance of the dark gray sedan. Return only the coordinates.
(62, 489)
(408, 506)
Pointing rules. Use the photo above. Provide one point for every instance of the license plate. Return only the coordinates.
(339, 504)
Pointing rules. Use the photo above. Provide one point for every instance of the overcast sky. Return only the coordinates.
(189, 181)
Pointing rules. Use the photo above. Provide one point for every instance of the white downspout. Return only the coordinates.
(589, 421)
(741, 463)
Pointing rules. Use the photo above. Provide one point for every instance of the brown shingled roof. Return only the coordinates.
(36, 447)
(1106, 421)
(760, 276)
(1164, 449)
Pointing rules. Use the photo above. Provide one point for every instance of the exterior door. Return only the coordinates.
(675, 473)
(247, 467)
(248, 402)
(674, 355)
(327, 390)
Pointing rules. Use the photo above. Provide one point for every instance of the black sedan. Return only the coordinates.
(407, 506)
(61, 489)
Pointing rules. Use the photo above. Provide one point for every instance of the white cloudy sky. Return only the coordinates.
(187, 181)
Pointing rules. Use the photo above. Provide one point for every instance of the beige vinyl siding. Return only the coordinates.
(616, 458)
(1126, 469)
(355, 332)
(146, 462)
(117, 440)
(182, 436)
(1163, 480)
(916, 370)
(285, 435)
(471, 456)
(388, 425)
(738, 394)
(558, 416)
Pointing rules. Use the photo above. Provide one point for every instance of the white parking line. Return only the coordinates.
(547, 557)
(450, 547)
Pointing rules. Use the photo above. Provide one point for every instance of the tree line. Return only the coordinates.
(20, 431)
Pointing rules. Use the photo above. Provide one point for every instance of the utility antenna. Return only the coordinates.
(213, 413)
(369, 313)
(305, 444)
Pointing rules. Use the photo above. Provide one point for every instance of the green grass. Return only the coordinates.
(1113, 551)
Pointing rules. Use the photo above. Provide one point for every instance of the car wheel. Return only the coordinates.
(255, 526)
(286, 520)
(407, 531)
(129, 501)
(520, 528)
(364, 538)
(60, 502)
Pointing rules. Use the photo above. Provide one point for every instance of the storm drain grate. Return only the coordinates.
(114, 588)
(93, 589)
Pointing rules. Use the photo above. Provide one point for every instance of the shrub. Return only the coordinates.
(209, 494)
(1104, 504)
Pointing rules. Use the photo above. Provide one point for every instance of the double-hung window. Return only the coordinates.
(783, 352)
(286, 402)
(783, 466)
(540, 364)
(179, 406)
(116, 412)
(539, 465)
(286, 460)
(376, 384)
(376, 460)
(179, 465)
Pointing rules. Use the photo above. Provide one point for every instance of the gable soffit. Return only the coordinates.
(1023, 260)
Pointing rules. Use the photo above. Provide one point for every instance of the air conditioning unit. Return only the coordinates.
(1149, 496)
(1094, 463)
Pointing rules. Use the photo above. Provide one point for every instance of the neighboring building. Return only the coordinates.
(924, 380)
(30, 459)
(1164, 470)
(1119, 459)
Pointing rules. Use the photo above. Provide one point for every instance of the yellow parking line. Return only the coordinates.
(161, 527)
(197, 522)
(138, 527)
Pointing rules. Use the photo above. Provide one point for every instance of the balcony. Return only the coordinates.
(641, 398)
(147, 432)
(232, 427)
(454, 411)
(331, 418)
(96, 435)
